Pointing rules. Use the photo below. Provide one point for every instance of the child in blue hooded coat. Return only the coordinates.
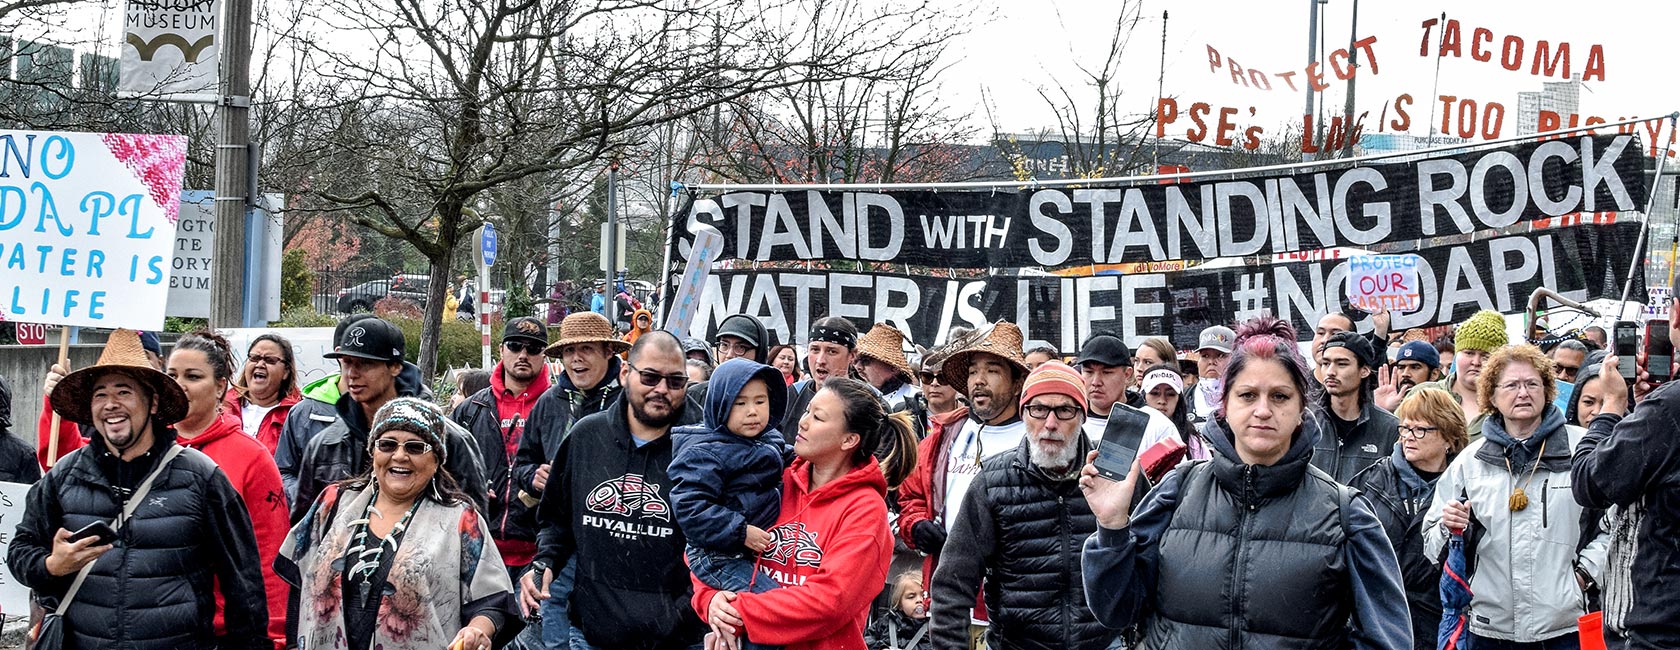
(727, 475)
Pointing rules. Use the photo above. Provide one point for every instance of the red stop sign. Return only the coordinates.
(31, 334)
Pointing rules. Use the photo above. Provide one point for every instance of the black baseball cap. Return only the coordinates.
(528, 328)
(370, 338)
(1106, 349)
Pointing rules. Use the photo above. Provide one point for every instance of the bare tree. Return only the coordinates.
(1101, 128)
(433, 103)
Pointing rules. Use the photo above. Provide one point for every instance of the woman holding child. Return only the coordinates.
(829, 548)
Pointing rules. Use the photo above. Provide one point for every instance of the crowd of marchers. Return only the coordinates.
(599, 488)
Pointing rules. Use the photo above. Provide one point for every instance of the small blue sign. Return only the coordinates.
(487, 244)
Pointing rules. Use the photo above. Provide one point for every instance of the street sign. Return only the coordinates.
(32, 334)
(487, 244)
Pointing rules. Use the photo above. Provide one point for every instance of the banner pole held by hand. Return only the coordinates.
(63, 362)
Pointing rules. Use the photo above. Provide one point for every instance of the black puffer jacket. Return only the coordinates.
(340, 451)
(561, 406)
(1020, 530)
(156, 587)
(1400, 498)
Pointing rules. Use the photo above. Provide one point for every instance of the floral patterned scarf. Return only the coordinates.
(442, 564)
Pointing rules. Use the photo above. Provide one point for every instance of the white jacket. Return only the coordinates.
(1524, 582)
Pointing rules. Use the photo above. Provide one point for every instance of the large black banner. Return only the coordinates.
(1265, 214)
(1581, 262)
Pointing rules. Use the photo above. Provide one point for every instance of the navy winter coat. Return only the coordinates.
(722, 482)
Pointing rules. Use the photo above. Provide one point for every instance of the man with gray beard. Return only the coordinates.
(1020, 529)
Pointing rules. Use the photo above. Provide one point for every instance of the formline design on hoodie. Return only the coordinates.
(628, 503)
(792, 543)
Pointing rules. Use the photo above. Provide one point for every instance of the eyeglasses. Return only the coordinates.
(1063, 413)
(650, 378)
(1568, 372)
(411, 447)
(1531, 386)
(523, 347)
(930, 378)
(739, 348)
(1417, 433)
(265, 360)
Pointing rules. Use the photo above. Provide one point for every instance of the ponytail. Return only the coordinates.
(897, 449)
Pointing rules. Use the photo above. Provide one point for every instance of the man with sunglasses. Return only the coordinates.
(1020, 530)
(606, 510)
(370, 360)
(496, 416)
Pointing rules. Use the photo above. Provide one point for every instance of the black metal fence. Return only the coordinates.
(361, 292)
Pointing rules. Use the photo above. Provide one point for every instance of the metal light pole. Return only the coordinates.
(610, 242)
(1353, 64)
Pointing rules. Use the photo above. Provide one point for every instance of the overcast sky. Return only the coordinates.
(1035, 43)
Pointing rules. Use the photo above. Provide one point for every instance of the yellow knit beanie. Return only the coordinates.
(1483, 331)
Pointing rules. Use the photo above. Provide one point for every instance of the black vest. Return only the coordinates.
(1253, 559)
(1034, 591)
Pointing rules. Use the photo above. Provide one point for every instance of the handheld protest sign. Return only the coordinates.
(87, 224)
(1384, 282)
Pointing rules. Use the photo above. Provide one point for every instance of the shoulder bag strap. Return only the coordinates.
(128, 511)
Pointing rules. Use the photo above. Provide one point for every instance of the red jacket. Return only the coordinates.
(69, 434)
(250, 468)
(829, 550)
(922, 495)
(269, 432)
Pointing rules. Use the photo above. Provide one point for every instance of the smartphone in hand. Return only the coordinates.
(1119, 446)
(1626, 345)
(99, 529)
(1659, 352)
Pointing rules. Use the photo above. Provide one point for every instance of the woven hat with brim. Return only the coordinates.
(884, 343)
(72, 398)
(586, 327)
(1003, 342)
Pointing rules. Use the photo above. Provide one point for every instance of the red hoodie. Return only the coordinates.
(69, 434)
(829, 550)
(268, 433)
(250, 468)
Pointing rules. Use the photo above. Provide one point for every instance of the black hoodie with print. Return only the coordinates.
(608, 503)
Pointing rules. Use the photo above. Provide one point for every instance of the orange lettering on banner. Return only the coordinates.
(1553, 121)
(1486, 123)
(1340, 63)
(1223, 131)
(1544, 59)
(1335, 136)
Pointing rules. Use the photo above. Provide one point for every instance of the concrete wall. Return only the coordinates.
(24, 367)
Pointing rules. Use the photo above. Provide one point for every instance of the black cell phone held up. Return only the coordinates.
(1659, 352)
(99, 529)
(1626, 347)
(1121, 439)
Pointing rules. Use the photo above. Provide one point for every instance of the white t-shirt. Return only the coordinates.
(1160, 427)
(252, 416)
(975, 443)
(895, 399)
(1205, 399)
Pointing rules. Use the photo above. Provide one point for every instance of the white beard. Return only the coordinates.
(1053, 461)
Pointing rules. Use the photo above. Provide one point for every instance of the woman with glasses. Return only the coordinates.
(266, 389)
(398, 557)
(1511, 489)
(1401, 487)
(1254, 548)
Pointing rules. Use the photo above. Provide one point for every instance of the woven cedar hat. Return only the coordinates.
(586, 327)
(72, 398)
(884, 343)
(1002, 341)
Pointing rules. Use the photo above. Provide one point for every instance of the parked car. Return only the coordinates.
(362, 296)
